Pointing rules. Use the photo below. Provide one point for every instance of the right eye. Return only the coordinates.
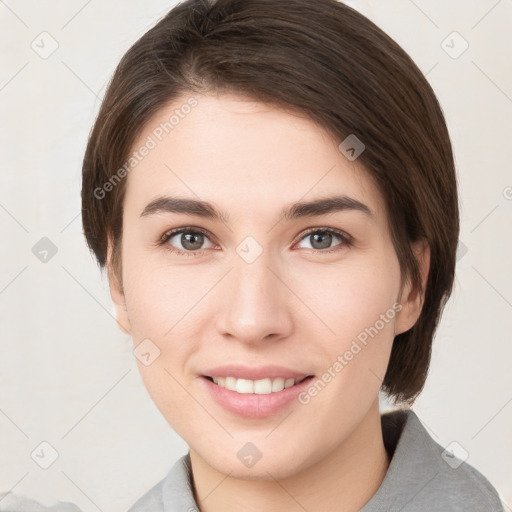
(191, 240)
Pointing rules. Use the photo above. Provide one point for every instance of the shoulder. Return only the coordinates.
(152, 501)
(459, 485)
(172, 494)
(423, 475)
(11, 502)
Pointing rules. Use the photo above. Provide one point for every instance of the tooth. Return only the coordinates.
(263, 386)
(260, 387)
(244, 386)
(289, 383)
(231, 383)
(277, 384)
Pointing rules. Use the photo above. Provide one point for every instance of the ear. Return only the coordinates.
(117, 293)
(411, 298)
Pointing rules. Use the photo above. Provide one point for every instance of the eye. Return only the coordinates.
(190, 239)
(322, 238)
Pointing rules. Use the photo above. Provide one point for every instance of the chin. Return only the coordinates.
(268, 467)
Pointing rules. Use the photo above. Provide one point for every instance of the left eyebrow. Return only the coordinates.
(324, 206)
(316, 207)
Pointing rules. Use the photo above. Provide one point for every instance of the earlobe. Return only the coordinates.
(117, 294)
(412, 298)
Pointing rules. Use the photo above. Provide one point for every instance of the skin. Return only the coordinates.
(292, 306)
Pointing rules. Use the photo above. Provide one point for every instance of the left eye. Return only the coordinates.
(322, 239)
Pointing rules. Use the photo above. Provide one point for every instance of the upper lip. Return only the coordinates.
(254, 373)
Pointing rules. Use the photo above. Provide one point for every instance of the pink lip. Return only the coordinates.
(252, 405)
(256, 373)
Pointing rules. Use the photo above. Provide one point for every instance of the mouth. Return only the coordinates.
(256, 399)
(266, 386)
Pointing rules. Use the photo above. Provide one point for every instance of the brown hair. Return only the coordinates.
(331, 63)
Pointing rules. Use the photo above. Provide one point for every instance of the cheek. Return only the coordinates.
(161, 294)
(350, 296)
(356, 308)
(359, 308)
(161, 307)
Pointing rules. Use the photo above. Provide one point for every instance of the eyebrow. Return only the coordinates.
(322, 206)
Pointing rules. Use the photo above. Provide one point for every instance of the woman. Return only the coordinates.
(270, 186)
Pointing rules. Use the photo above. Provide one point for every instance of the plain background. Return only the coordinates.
(68, 375)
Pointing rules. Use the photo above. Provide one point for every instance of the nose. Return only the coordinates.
(254, 302)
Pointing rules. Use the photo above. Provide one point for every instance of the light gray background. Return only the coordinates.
(68, 375)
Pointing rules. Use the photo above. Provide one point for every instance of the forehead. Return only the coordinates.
(243, 155)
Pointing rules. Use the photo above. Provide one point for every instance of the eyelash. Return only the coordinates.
(346, 240)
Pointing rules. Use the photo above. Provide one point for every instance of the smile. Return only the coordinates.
(255, 398)
(260, 387)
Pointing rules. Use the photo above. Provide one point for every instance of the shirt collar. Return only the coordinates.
(415, 461)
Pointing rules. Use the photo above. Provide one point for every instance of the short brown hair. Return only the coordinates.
(331, 63)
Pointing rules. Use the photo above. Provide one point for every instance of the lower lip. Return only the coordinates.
(252, 405)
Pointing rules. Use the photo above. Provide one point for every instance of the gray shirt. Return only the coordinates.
(421, 477)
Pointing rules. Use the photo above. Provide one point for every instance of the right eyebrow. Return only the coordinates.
(170, 204)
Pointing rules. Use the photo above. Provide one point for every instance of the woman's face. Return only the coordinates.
(311, 293)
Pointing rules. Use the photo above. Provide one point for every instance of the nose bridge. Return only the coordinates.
(254, 280)
(255, 304)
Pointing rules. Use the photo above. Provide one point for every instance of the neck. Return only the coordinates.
(349, 475)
